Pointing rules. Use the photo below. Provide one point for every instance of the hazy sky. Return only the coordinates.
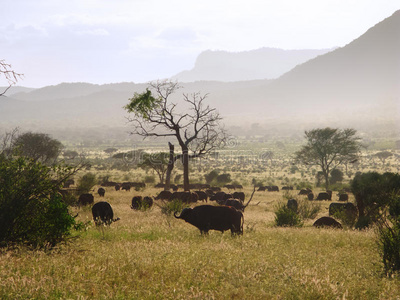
(104, 41)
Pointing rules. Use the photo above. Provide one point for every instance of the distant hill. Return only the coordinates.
(359, 82)
(264, 63)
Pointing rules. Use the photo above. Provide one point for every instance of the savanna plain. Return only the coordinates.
(151, 255)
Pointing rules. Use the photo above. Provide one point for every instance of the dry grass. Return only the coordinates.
(147, 255)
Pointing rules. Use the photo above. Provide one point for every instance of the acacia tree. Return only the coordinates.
(195, 125)
(328, 148)
(155, 161)
(38, 146)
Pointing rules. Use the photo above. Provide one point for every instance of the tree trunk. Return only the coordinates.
(326, 175)
(185, 161)
(171, 163)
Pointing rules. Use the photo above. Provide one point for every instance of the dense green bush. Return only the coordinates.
(285, 216)
(32, 211)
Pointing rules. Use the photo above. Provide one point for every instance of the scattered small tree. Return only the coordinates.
(155, 161)
(328, 148)
(210, 177)
(38, 146)
(336, 176)
(383, 155)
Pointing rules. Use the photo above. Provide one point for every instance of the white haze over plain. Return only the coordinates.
(102, 41)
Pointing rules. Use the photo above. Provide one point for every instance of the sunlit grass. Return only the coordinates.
(147, 255)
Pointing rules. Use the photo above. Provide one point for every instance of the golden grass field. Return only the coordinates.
(148, 255)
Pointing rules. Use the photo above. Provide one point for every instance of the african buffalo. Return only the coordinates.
(202, 195)
(343, 197)
(324, 196)
(163, 195)
(305, 191)
(232, 202)
(208, 217)
(310, 196)
(68, 183)
(136, 202)
(327, 222)
(238, 195)
(101, 192)
(103, 213)
(185, 197)
(220, 196)
(139, 202)
(273, 188)
(85, 199)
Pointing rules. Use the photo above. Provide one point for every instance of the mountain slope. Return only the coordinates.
(265, 63)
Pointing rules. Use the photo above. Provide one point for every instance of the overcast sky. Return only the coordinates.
(104, 41)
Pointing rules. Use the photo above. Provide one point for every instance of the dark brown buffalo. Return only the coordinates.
(262, 189)
(208, 217)
(101, 192)
(85, 199)
(103, 213)
(220, 196)
(68, 183)
(143, 203)
(310, 196)
(305, 191)
(202, 196)
(117, 187)
(163, 195)
(273, 188)
(238, 195)
(327, 222)
(185, 197)
(232, 202)
(324, 196)
(343, 197)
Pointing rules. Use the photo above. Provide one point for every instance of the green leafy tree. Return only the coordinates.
(383, 155)
(32, 210)
(38, 146)
(223, 178)
(195, 126)
(328, 148)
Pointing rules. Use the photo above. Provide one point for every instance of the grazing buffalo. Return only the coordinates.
(202, 195)
(261, 189)
(143, 203)
(327, 222)
(85, 199)
(103, 213)
(185, 197)
(324, 196)
(136, 202)
(287, 188)
(208, 217)
(230, 186)
(163, 195)
(310, 196)
(101, 192)
(117, 187)
(348, 208)
(238, 195)
(220, 196)
(343, 197)
(273, 188)
(292, 205)
(305, 191)
(232, 202)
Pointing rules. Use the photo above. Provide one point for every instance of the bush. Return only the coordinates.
(308, 209)
(32, 211)
(86, 183)
(284, 216)
(149, 179)
(168, 208)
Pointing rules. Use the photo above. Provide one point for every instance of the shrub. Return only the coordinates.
(168, 208)
(150, 179)
(86, 183)
(286, 217)
(308, 209)
(32, 211)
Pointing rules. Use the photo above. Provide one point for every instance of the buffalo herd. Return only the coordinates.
(226, 215)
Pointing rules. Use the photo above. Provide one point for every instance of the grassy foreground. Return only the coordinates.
(147, 255)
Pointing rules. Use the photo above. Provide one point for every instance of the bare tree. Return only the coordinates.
(195, 125)
(10, 75)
